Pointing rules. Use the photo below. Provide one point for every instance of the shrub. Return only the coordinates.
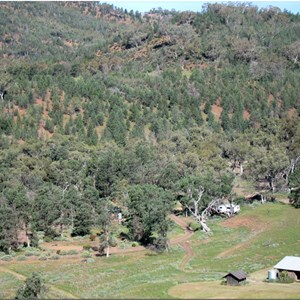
(87, 247)
(58, 251)
(161, 244)
(284, 277)
(72, 252)
(2, 254)
(86, 254)
(68, 252)
(90, 260)
(21, 258)
(113, 242)
(43, 257)
(6, 258)
(134, 244)
(92, 237)
(32, 252)
(194, 226)
(12, 253)
(54, 257)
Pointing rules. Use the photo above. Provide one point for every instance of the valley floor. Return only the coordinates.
(254, 241)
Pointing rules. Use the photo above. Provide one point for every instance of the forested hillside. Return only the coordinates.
(103, 109)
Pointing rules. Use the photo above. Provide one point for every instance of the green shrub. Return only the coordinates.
(134, 244)
(7, 258)
(86, 254)
(113, 242)
(194, 226)
(43, 257)
(54, 257)
(12, 253)
(68, 252)
(284, 277)
(72, 252)
(87, 247)
(21, 258)
(90, 260)
(2, 254)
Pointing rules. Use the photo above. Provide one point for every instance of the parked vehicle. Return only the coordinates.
(228, 208)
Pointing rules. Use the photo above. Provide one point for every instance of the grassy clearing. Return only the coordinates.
(275, 233)
(214, 290)
(271, 231)
(8, 285)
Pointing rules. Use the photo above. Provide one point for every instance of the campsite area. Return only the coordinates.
(253, 241)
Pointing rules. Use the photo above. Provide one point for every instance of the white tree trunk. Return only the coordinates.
(241, 169)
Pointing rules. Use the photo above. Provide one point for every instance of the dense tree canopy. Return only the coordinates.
(102, 109)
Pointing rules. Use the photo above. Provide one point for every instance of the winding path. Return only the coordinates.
(183, 240)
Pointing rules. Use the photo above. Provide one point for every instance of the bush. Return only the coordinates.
(7, 258)
(72, 252)
(194, 226)
(86, 254)
(134, 244)
(113, 242)
(32, 252)
(21, 258)
(47, 239)
(54, 257)
(92, 237)
(87, 247)
(43, 257)
(68, 252)
(285, 278)
(90, 260)
(2, 254)
(58, 251)
(161, 244)
(12, 253)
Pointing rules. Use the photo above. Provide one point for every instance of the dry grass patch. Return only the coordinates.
(214, 290)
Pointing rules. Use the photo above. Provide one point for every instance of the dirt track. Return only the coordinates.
(182, 240)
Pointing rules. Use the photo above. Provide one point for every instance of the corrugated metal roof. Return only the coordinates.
(237, 274)
(290, 263)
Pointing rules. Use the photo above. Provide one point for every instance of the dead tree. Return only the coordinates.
(208, 211)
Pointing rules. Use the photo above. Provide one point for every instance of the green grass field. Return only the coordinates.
(256, 239)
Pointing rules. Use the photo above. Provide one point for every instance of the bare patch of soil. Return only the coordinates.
(216, 110)
(252, 222)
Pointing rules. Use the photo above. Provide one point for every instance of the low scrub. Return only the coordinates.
(193, 226)
(7, 258)
(21, 258)
(68, 252)
(54, 257)
(86, 254)
(284, 278)
(43, 257)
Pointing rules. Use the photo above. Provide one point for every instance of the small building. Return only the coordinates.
(291, 264)
(235, 278)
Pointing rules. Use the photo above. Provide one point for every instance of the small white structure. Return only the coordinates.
(291, 264)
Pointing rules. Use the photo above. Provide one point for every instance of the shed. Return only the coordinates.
(236, 277)
(291, 264)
